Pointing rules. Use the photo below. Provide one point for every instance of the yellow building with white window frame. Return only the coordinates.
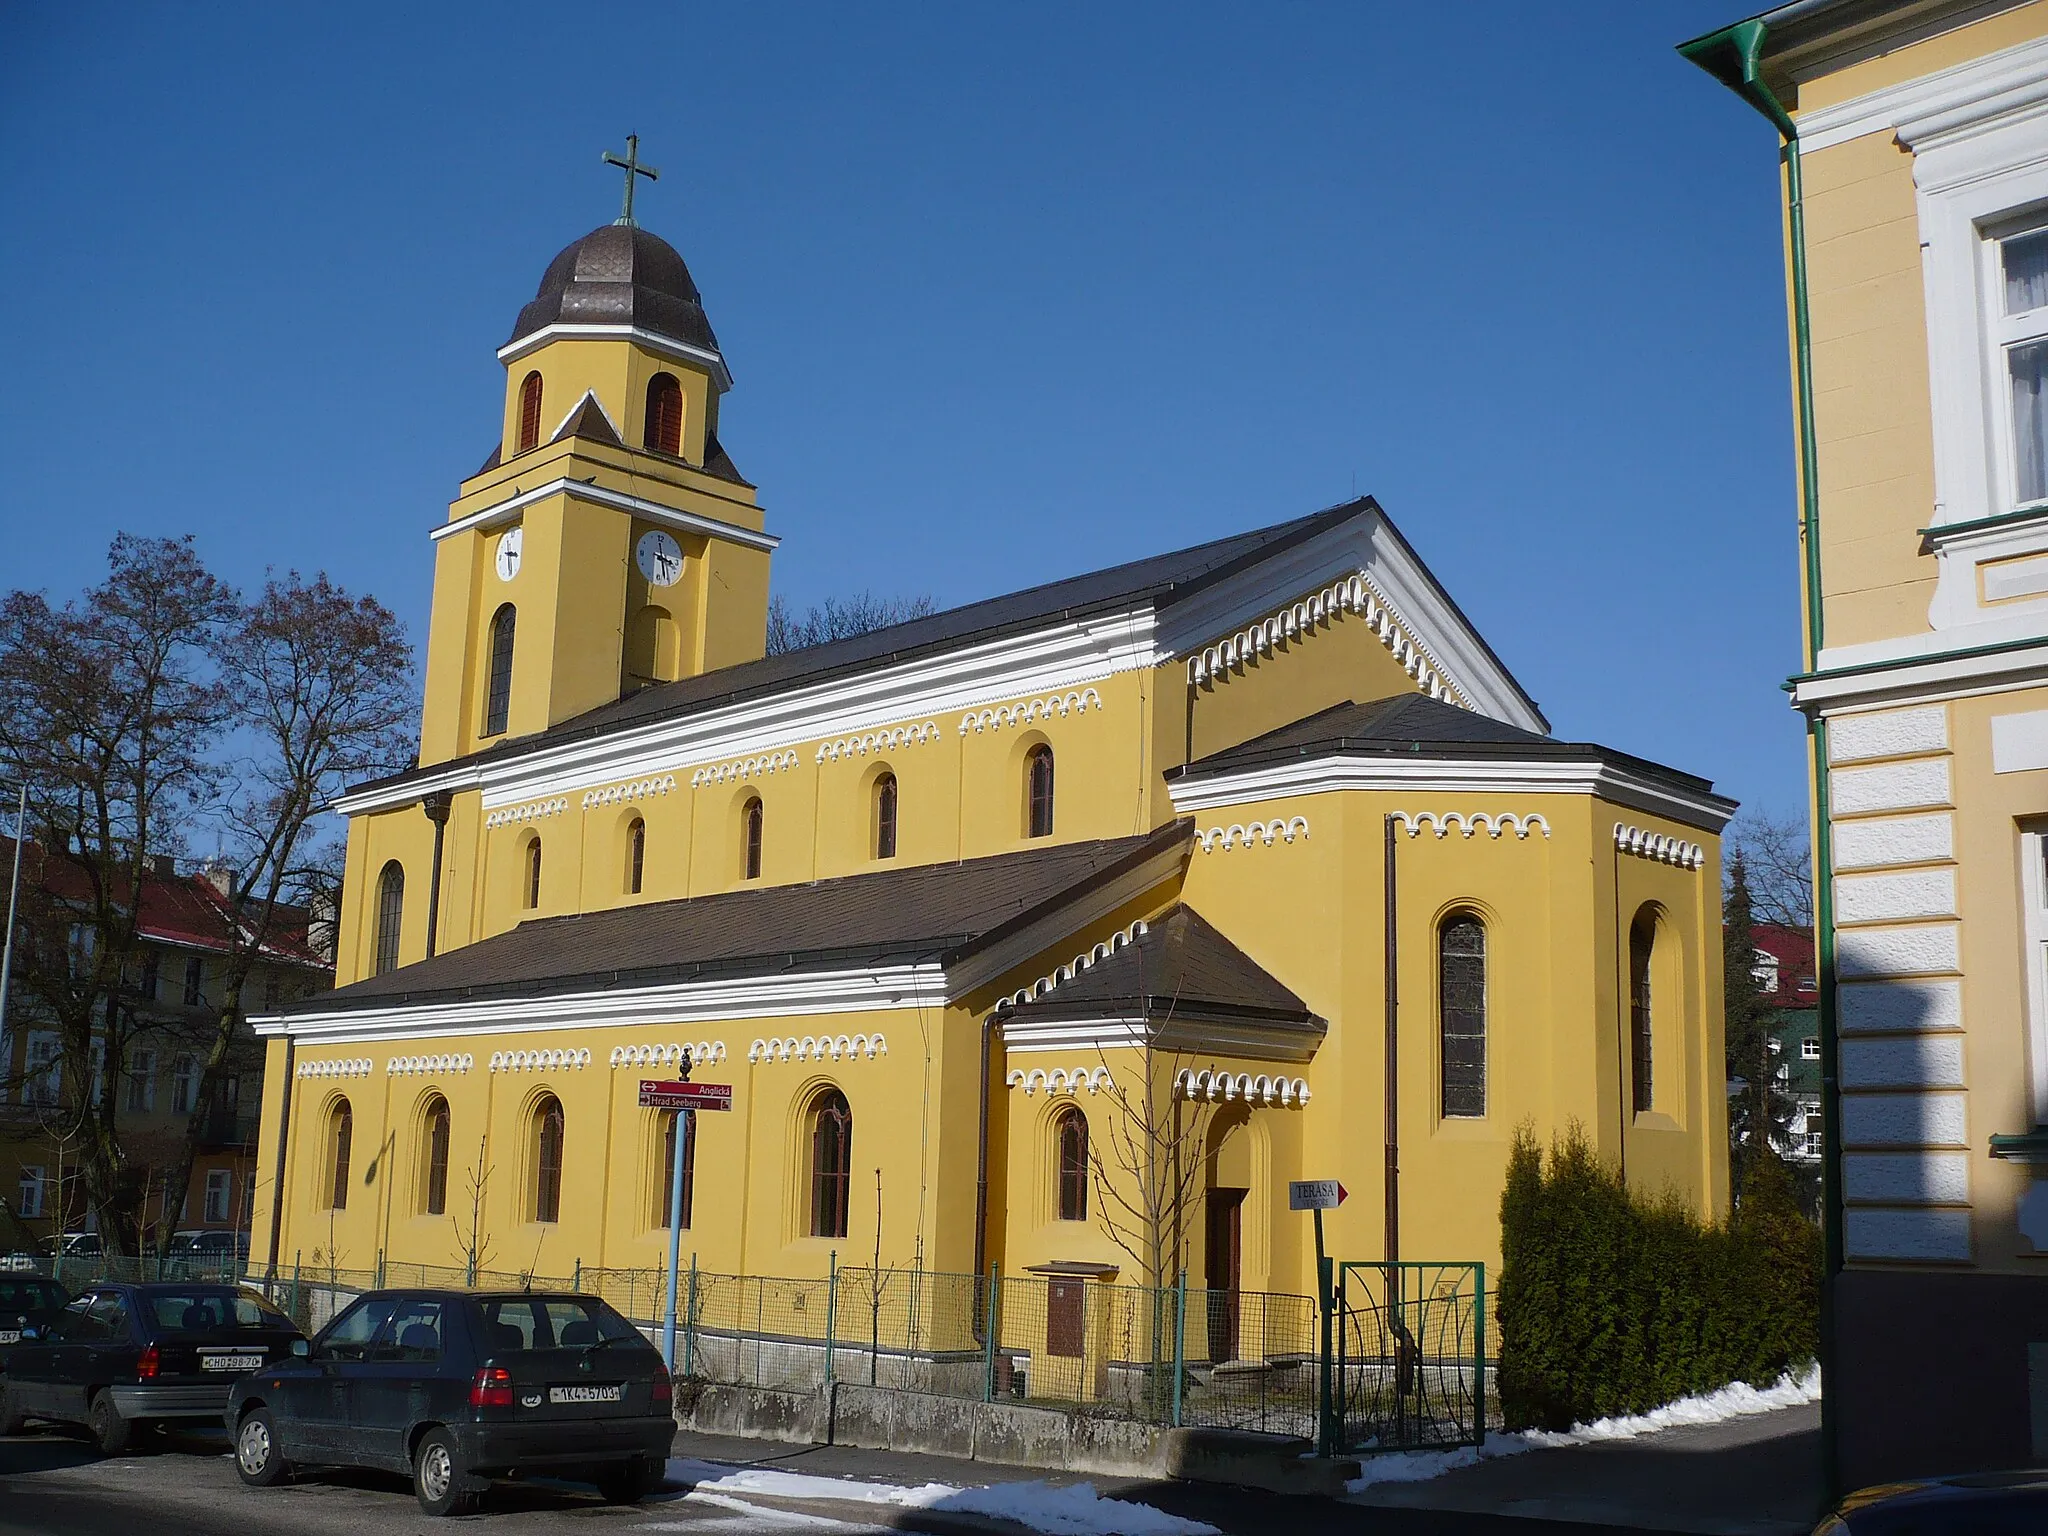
(952, 904)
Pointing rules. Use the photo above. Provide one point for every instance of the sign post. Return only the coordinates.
(684, 1098)
(1320, 1195)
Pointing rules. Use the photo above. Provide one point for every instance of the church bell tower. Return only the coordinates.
(608, 544)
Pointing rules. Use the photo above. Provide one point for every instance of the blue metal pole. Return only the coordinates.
(675, 1232)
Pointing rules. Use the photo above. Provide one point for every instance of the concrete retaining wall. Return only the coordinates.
(1016, 1434)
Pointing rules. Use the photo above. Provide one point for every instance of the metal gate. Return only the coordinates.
(1410, 1366)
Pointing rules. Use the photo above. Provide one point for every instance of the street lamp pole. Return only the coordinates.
(7, 949)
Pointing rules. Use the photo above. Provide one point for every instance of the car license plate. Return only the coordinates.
(229, 1362)
(583, 1394)
(10, 1335)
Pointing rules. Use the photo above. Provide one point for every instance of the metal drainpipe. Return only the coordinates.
(988, 1028)
(437, 806)
(1734, 57)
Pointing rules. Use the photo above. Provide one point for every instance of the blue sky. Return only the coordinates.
(1009, 293)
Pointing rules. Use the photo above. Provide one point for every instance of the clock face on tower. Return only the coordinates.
(660, 558)
(508, 554)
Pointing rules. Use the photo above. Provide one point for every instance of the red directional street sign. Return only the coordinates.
(1315, 1195)
(658, 1094)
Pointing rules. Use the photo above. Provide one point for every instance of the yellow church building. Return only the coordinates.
(969, 912)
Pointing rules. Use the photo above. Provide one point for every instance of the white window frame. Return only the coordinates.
(33, 1190)
(2034, 889)
(185, 1076)
(1809, 1048)
(138, 1093)
(43, 1083)
(220, 1195)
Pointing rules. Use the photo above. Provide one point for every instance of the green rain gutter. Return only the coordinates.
(1733, 56)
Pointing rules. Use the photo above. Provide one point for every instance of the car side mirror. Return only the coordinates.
(301, 1348)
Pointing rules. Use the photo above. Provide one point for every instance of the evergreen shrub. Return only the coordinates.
(1612, 1303)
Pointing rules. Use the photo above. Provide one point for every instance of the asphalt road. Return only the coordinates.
(54, 1484)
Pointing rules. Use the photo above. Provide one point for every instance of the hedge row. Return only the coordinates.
(1610, 1303)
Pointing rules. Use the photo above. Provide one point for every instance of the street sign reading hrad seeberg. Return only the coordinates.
(1315, 1195)
(657, 1094)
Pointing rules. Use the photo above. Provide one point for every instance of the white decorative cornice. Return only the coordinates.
(1491, 823)
(352, 1067)
(705, 358)
(871, 742)
(513, 507)
(1215, 1086)
(1077, 702)
(703, 1053)
(817, 1048)
(532, 810)
(1331, 774)
(1306, 616)
(1060, 1080)
(1656, 846)
(743, 768)
(1936, 107)
(569, 1058)
(880, 989)
(428, 1066)
(1075, 966)
(638, 789)
(1248, 834)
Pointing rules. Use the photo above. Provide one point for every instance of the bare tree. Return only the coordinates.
(1777, 855)
(474, 1239)
(839, 619)
(109, 709)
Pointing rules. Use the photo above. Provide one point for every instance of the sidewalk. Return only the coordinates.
(1758, 1476)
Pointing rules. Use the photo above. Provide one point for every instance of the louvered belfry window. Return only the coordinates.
(529, 413)
(663, 432)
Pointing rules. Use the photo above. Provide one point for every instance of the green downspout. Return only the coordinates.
(1733, 56)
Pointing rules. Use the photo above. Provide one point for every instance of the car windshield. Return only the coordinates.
(23, 1295)
(204, 1310)
(514, 1323)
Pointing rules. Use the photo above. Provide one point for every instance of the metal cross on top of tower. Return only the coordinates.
(632, 167)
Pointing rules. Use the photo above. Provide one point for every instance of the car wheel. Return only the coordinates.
(110, 1432)
(626, 1482)
(12, 1420)
(439, 1478)
(259, 1459)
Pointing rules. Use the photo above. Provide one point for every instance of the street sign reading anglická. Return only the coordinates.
(1302, 1194)
(657, 1094)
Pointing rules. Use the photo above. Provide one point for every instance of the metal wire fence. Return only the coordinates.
(1410, 1369)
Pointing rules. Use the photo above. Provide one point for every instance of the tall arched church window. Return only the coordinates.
(1461, 1014)
(750, 838)
(529, 895)
(1038, 791)
(529, 413)
(636, 855)
(664, 428)
(831, 1163)
(434, 1180)
(547, 1159)
(498, 685)
(885, 816)
(668, 1170)
(1073, 1174)
(390, 916)
(340, 1132)
(1642, 953)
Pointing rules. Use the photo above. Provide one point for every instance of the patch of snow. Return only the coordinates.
(1735, 1401)
(1075, 1510)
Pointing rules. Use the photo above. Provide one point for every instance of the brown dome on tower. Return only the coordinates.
(620, 275)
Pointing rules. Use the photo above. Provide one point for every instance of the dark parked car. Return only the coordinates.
(26, 1301)
(456, 1389)
(1973, 1504)
(127, 1356)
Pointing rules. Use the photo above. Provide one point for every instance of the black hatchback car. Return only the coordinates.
(28, 1303)
(456, 1388)
(121, 1357)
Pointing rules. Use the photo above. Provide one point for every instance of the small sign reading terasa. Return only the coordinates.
(656, 1094)
(1308, 1194)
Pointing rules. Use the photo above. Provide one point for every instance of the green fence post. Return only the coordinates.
(1180, 1342)
(296, 1252)
(995, 1299)
(576, 1284)
(380, 1269)
(690, 1312)
(1479, 1353)
(831, 1309)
